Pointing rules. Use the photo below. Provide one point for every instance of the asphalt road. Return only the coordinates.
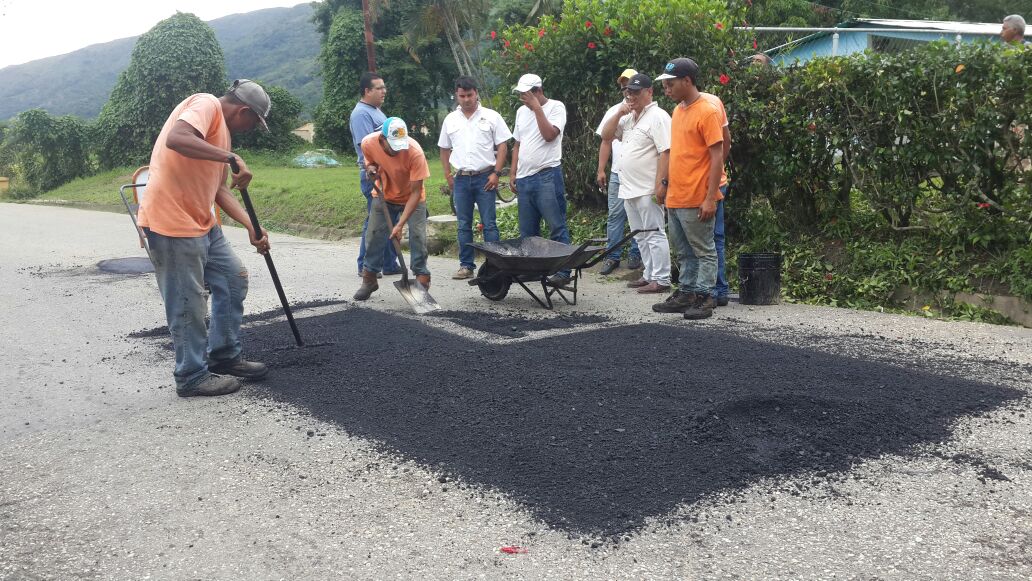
(785, 442)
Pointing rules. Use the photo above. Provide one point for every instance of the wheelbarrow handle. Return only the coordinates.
(622, 241)
(574, 256)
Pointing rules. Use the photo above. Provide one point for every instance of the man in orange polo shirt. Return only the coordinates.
(188, 171)
(396, 164)
(692, 190)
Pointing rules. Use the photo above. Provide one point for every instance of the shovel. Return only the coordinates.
(414, 293)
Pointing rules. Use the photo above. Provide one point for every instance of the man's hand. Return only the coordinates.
(600, 179)
(243, 177)
(396, 232)
(451, 181)
(530, 100)
(707, 210)
(262, 245)
(512, 185)
(492, 182)
(661, 196)
(624, 109)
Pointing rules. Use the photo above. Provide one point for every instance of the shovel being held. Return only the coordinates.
(414, 293)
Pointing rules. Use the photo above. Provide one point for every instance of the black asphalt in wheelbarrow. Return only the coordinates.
(531, 259)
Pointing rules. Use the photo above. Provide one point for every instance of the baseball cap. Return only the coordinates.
(396, 133)
(638, 82)
(680, 68)
(527, 82)
(254, 96)
(628, 73)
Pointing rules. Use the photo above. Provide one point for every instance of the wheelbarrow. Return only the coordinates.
(534, 259)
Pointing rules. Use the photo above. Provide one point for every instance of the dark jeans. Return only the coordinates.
(390, 258)
(469, 191)
(543, 195)
(720, 289)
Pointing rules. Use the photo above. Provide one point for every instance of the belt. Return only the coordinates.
(473, 172)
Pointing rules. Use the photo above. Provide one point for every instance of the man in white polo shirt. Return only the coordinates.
(474, 144)
(643, 127)
(536, 165)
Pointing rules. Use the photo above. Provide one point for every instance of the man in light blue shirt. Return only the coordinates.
(367, 118)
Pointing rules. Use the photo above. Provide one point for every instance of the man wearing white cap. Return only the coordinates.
(537, 165)
(395, 163)
(617, 216)
(188, 171)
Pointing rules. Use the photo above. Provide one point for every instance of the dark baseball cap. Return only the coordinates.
(638, 82)
(254, 96)
(680, 68)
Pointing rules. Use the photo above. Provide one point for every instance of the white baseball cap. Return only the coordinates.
(527, 82)
(396, 133)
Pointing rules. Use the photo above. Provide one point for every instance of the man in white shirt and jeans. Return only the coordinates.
(643, 128)
(473, 146)
(536, 165)
(616, 218)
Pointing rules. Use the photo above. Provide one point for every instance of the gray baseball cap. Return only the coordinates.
(254, 96)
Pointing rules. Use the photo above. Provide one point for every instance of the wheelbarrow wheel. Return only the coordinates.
(493, 283)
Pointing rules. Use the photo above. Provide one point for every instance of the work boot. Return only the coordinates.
(702, 309)
(211, 385)
(424, 279)
(634, 262)
(721, 300)
(559, 280)
(463, 273)
(608, 266)
(239, 367)
(677, 302)
(369, 285)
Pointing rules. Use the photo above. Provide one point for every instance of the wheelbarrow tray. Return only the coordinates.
(535, 256)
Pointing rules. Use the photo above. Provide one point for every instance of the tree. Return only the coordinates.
(45, 151)
(342, 59)
(283, 119)
(178, 57)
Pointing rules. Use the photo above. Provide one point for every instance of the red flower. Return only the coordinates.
(812, 127)
(494, 35)
(720, 26)
(754, 44)
(505, 43)
(984, 205)
(608, 31)
(587, 24)
(829, 277)
(592, 45)
(724, 79)
(541, 33)
(528, 46)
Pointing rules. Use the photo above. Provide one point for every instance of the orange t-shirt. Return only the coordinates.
(397, 172)
(181, 190)
(723, 123)
(694, 129)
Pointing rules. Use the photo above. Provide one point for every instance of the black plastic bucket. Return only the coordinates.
(759, 277)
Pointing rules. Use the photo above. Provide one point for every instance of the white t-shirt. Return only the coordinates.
(643, 140)
(537, 154)
(472, 140)
(617, 145)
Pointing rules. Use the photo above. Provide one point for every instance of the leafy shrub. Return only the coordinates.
(42, 152)
(342, 53)
(283, 118)
(177, 58)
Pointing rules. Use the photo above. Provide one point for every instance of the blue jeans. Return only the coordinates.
(469, 190)
(390, 258)
(182, 266)
(720, 289)
(417, 236)
(616, 220)
(696, 251)
(543, 195)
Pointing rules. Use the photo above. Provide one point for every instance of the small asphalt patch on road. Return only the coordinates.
(515, 326)
(595, 432)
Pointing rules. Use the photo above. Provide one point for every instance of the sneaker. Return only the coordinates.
(721, 301)
(211, 385)
(608, 266)
(702, 309)
(638, 283)
(559, 279)
(239, 367)
(653, 288)
(463, 273)
(677, 302)
(634, 263)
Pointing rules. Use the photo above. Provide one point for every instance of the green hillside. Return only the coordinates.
(275, 45)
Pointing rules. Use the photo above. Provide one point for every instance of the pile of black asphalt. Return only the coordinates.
(594, 432)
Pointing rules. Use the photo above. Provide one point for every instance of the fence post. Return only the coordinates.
(834, 43)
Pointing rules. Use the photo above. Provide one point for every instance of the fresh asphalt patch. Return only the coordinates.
(594, 432)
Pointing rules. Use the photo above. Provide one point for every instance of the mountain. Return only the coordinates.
(279, 46)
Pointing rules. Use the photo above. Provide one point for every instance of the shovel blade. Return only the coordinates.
(416, 295)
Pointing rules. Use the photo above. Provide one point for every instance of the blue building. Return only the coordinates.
(879, 35)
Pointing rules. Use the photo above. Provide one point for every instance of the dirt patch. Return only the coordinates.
(595, 432)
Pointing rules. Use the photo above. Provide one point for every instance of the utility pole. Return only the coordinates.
(370, 49)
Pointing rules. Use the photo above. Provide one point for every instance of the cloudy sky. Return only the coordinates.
(32, 29)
